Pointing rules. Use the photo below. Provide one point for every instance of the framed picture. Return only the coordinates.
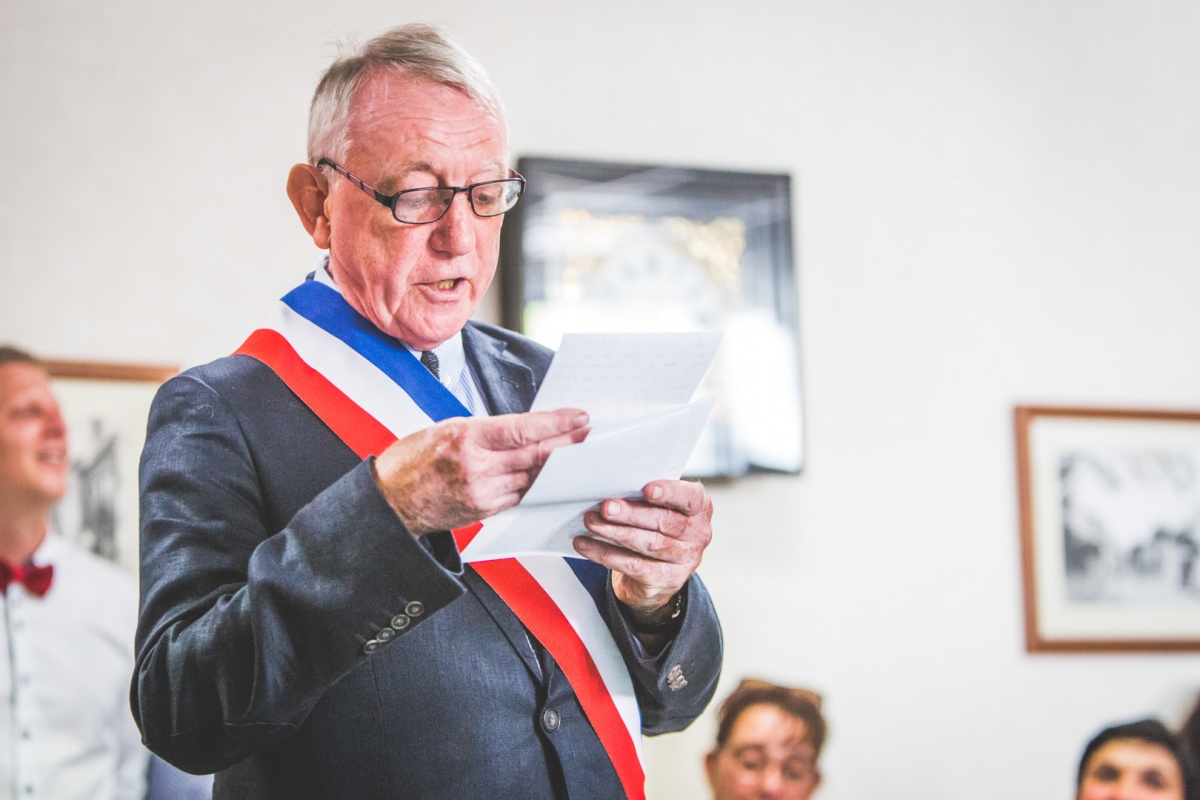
(105, 407)
(603, 247)
(1110, 528)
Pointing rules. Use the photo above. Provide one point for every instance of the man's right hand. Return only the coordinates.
(466, 469)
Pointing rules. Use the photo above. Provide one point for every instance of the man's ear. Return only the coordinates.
(710, 769)
(307, 189)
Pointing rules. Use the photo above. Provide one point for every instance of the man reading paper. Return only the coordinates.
(308, 628)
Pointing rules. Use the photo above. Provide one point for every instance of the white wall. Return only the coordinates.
(996, 204)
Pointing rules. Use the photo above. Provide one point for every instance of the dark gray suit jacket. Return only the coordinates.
(269, 559)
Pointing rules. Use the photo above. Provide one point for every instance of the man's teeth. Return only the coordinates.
(448, 284)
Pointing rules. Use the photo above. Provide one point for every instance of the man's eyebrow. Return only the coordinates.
(416, 166)
(500, 167)
(388, 183)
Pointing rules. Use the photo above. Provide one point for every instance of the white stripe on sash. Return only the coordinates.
(359, 379)
(558, 579)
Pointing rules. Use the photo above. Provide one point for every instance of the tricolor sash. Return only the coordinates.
(370, 391)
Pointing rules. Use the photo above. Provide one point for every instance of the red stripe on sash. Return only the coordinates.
(529, 601)
(361, 432)
(464, 535)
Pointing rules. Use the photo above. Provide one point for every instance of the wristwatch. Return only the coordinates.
(678, 603)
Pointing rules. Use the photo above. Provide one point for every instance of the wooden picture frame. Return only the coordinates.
(1110, 528)
(610, 247)
(105, 406)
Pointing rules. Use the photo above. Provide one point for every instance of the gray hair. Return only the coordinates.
(417, 50)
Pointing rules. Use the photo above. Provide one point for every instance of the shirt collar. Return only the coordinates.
(50, 548)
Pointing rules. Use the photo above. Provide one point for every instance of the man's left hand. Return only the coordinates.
(652, 546)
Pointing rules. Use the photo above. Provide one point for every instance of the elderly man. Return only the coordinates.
(67, 624)
(308, 627)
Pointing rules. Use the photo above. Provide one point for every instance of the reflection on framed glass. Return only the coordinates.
(601, 247)
(105, 407)
(1110, 528)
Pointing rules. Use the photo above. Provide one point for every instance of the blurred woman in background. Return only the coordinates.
(768, 740)
(1139, 760)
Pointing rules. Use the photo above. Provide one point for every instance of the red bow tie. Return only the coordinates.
(36, 580)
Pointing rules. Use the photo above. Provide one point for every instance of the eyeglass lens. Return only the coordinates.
(426, 205)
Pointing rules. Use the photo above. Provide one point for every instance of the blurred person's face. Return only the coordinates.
(1130, 769)
(768, 756)
(419, 283)
(33, 439)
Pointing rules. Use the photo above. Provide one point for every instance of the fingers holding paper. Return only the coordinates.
(652, 545)
(463, 470)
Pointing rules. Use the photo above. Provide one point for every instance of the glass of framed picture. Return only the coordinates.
(604, 247)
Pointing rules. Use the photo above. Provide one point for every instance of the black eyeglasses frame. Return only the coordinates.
(391, 201)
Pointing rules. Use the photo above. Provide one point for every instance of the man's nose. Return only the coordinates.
(454, 233)
(55, 424)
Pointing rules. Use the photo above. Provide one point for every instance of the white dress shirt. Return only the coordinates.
(66, 731)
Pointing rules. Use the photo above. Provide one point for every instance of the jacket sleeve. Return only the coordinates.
(675, 686)
(242, 628)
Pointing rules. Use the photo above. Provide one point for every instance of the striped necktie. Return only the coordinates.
(430, 360)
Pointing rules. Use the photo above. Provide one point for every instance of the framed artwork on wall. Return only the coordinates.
(606, 247)
(105, 407)
(1110, 528)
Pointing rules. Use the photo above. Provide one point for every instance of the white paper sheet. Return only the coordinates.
(637, 390)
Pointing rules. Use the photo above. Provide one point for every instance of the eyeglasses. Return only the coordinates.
(422, 206)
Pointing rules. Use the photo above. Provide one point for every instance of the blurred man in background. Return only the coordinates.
(67, 630)
(68, 622)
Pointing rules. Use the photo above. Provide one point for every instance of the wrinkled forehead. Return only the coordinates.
(766, 723)
(387, 98)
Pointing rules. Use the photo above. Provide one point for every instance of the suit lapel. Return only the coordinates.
(505, 619)
(508, 385)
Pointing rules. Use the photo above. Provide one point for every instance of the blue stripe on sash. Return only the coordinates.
(594, 578)
(327, 309)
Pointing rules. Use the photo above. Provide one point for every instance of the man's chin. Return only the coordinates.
(48, 493)
(432, 329)
(428, 337)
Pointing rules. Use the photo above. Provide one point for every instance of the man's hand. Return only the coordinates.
(464, 470)
(652, 547)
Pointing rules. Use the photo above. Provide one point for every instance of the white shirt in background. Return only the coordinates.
(66, 660)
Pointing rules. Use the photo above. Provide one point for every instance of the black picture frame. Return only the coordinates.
(610, 247)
